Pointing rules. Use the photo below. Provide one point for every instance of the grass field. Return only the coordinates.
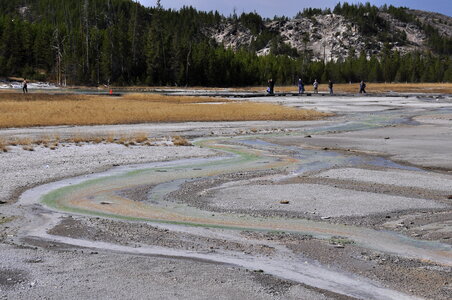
(39, 109)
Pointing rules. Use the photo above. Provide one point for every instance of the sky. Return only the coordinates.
(289, 8)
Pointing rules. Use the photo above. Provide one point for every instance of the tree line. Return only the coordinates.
(121, 42)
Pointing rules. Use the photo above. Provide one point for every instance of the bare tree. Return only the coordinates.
(58, 43)
(134, 33)
(86, 25)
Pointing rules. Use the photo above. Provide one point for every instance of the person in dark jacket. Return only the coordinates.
(271, 87)
(25, 86)
(300, 86)
(362, 87)
(330, 87)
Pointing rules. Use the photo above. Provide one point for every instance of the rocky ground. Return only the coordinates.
(394, 177)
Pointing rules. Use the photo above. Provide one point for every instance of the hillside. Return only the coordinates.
(334, 36)
(121, 42)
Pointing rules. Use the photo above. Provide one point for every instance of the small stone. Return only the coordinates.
(325, 218)
(284, 202)
(259, 271)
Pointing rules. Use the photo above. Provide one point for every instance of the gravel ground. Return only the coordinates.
(399, 178)
(425, 145)
(415, 204)
(323, 200)
(426, 280)
(22, 168)
(65, 273)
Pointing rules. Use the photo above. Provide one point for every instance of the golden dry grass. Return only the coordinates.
(441, 88)
(140, 137)
(180, 141)
(3, 146)
(18, 110)
(171, 99)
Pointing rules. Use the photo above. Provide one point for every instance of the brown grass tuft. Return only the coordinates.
(110, 138)
(97, 139)
(123, 140)
(24, 141)
(3, 146)
(77, 139)
(180, 141)
(140, 137)
(28, 148)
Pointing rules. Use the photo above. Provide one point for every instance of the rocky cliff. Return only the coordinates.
(334, 37)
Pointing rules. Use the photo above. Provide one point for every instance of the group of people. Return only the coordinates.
(301, 89)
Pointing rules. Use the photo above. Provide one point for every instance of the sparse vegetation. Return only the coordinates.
(4, 219)
(28, 148)
(3, 146)
(338, 240)
(140, 137)
(180, 141)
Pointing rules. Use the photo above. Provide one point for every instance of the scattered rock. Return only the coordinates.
(106, 202)
(325, 218)
(387, 138)
(259, 271)
(308, 136)
(284, 202)
(34, 261)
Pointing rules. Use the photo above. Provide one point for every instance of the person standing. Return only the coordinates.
(362, 87)
(25, 86)
(300, 86)
(271, 87)
(330, 86)
(316, 86)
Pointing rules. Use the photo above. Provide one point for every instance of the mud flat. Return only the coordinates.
(357, 206)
